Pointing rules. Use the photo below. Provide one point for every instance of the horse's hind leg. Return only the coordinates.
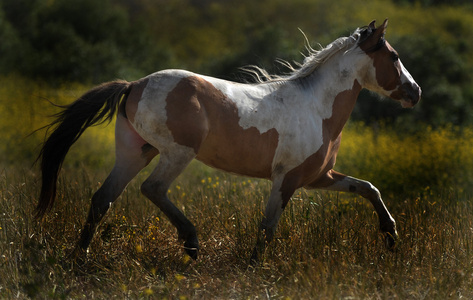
(132, 155)
(171, 163)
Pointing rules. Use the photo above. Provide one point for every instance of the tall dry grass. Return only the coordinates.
(327, 245)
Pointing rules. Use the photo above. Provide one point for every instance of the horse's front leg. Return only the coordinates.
(335, 181)
(277, 201)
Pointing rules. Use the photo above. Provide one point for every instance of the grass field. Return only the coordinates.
(328, 245)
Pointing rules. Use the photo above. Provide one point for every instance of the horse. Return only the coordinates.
(286, 129)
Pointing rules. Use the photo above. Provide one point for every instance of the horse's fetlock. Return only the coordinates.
(389, 227)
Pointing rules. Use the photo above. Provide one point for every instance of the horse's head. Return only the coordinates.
(387, 76)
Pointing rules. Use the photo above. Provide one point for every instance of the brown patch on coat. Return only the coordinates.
(315, 171)
(201, 117)
(382, 53)
(186, 118)
(387, 71)
(137, 88)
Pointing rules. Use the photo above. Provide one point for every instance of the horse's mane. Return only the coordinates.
(312, 61)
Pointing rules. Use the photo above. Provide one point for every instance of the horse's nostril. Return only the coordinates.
(412, 92)
(416, 91)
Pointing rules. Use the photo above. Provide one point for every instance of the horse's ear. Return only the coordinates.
(384, 25)
(372, 26)
(381, 30)
(373, 36)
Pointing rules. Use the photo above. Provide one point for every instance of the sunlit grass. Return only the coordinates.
(327, 245)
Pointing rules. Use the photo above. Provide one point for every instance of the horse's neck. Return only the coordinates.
(324, 85)
(334, 88)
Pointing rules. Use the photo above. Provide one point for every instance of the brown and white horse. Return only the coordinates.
(285, 129)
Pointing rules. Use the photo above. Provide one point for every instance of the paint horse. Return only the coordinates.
(285, 129)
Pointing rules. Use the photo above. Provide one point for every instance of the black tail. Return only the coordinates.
(94, 107)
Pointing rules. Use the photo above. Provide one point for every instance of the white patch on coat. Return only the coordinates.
(406, 76)
(150, 118)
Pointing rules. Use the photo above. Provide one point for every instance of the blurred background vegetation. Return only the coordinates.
(88, 41)
(54, 50)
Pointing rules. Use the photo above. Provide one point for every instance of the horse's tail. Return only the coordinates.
(94, 107)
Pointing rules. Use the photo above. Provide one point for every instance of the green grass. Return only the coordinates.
(327, 246)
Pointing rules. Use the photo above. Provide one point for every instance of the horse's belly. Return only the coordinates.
(247, 153)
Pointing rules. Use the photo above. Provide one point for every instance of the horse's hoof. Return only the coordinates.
(78, 255)
(192, 251)
(254, 258)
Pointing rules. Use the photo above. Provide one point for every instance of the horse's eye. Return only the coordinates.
(395, 57)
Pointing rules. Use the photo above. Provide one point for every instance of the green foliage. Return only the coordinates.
(409, 164)
(76, 40)
(95, 41)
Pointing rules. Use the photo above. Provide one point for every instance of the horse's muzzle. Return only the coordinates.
(411, 94)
